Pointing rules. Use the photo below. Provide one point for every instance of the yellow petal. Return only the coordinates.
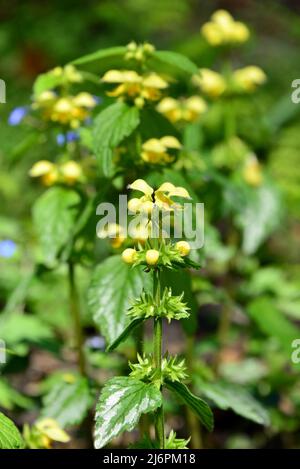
(154, 81)
(142, 186)
(40, 168)
(121, 76)
(196, 104)
(166, 187)
(52, 430)
(85, 100)
(167, 105)
(170, 142)
(153, 145)
(222, 17)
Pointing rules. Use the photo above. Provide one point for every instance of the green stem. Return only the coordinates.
(157, 346)
(75, 313)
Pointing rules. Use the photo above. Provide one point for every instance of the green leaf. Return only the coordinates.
(199, 407)
(234, 397)
(111, 52)
(121, 403)
(259, 217)
(68, 403)
(9, 397)
(46, 81)
(54, 215)
(113, 287)
(10, 437)
(272, 322)
(24, 328)
(111, 126)
(176, 60)
(127, 331)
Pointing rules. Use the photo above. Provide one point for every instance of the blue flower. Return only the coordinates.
(95, 342)
(17, 115)
(7, 248)
(72, 136)
(60, 139)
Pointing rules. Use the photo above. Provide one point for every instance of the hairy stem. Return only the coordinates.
(75, 313)
(193, 422)
(157, 346)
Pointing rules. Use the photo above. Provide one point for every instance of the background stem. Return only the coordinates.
(75, 313)
(157, 346)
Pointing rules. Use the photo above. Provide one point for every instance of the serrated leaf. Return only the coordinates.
(121, 403)
(125, 334)
(10, 437)
(113, 287)
(234, 397)
(198, 406)
(111, 52)
(111, 126)
(176, 60)
(272, 322)
(54, 215)
(68, 403)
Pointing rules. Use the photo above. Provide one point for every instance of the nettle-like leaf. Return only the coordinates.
(114, 286)
(10, 437)
(111, 127)
(68, 403)
(176, 61)
(54, 215)
(196, 404)
(234, 397)
(126, 333)
(100, 55)
(121, 403)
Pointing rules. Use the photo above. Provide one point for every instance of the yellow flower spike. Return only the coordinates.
(210, 82)
(249, 78)
(194, 107)
(183, 247)
(152, 256)
(141, 186)
(187, 110)
(129, 255)
(84, 100)
(51, 429)
(252, 172)
(71, 172)
(155, 150)
(223, 29)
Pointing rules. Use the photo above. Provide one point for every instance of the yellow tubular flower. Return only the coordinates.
(156, 150)
(249, 78)
(114, 232)
(50, 429)
(45, 170)
(252, 172)
(186, 110)
(152, 256)
(161, 198)
(210, 82)
(134, 86)
(129, 255)
(223, 29)
(183, 247)
(71, 172)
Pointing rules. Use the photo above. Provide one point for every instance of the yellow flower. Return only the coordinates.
(152, 256)
(186, 110)
(183, 247)
(252, 172)
(161, 198)
(156, 150)
(249, 78)
(141, 232)
(133, 86)
(45, 170)
(68, 73)
(210, 82)
(51, 431)
(223, 29)
(114, 232)
(139, 52)
(129, 255)
(71, 172)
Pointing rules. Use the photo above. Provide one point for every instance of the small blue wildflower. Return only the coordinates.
(72, 136)
(17, 115)
(7, 248)
(60, 139)
(96, 342)
(98, 99)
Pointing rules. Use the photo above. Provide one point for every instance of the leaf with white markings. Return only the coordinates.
(234, 397)
(111, 126)
(198, 406)
(113, 288)
(68, 403)
(121, 403)
(54, 215)
(10, 437)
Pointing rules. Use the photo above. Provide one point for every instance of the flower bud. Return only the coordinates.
(183, 247)
(152, 256)
(129, 255)
(134, 205)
